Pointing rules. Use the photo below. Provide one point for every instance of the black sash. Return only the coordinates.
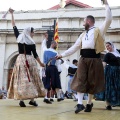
(89, 53)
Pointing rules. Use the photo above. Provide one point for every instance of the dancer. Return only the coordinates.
(50, 94)
(25, 81)
(89, 77)
(52, 80)
(111, 63)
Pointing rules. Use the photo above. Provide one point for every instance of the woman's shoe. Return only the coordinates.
(108, 107)
(33, 103)
(22, 104)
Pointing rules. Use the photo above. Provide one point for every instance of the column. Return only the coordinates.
(2, 57)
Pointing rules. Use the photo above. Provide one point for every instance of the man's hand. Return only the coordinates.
(11, 10)
(58, 56)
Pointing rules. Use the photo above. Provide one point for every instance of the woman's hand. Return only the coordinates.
(105, 2)
(104, 64)
(42, 64)
(11, 10)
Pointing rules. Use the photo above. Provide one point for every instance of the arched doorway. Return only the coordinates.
(10, 70)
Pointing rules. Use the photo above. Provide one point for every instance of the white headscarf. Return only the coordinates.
(25, 37)
(114, 52)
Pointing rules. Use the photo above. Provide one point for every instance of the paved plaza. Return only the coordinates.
(10, 110)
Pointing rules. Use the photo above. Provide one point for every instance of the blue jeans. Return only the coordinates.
(69, 85)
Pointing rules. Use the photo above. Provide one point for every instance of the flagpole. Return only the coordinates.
(56, 35)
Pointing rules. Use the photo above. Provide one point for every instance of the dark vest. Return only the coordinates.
(71, 71)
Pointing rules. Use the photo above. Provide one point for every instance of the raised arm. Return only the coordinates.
(11, 12)
(108, 19)
(16, 32)
(44, 46)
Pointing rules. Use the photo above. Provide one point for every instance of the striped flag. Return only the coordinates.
(56, 35)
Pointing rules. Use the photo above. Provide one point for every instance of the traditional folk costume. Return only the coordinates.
(25, 82)
(112, 79)
(89, 77)
(52, 80)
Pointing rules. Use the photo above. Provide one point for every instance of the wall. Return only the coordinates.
(70, 26)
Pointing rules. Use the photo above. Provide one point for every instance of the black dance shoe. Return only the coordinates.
(79, 107)
(51, 100)
(108, 107)
(88, 107)
(66, 95)
(47, 101)
(33, 103)
(22, 104)
(60, 99)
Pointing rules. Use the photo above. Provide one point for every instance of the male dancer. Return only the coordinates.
(89, 77)
(52, 80)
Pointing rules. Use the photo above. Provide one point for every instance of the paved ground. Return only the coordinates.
(10, 110)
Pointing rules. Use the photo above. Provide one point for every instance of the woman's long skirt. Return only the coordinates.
(25, 82)
(112, 86)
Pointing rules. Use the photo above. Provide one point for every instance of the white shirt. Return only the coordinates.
(43, 45)
(43, 48)
(88, 39)
(88, 44)
(67, 65)
(58, 65)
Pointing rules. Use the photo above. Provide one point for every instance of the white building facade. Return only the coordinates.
(70, 26)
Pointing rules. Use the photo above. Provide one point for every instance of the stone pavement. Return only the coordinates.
(10, 110)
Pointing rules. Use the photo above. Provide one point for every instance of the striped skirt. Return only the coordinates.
(20, 86)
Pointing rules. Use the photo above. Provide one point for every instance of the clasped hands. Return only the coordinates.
(58, 56)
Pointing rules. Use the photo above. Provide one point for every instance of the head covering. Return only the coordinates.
(114, 51)
(25, 37)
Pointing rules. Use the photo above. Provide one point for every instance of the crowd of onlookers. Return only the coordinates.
(3, 93)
